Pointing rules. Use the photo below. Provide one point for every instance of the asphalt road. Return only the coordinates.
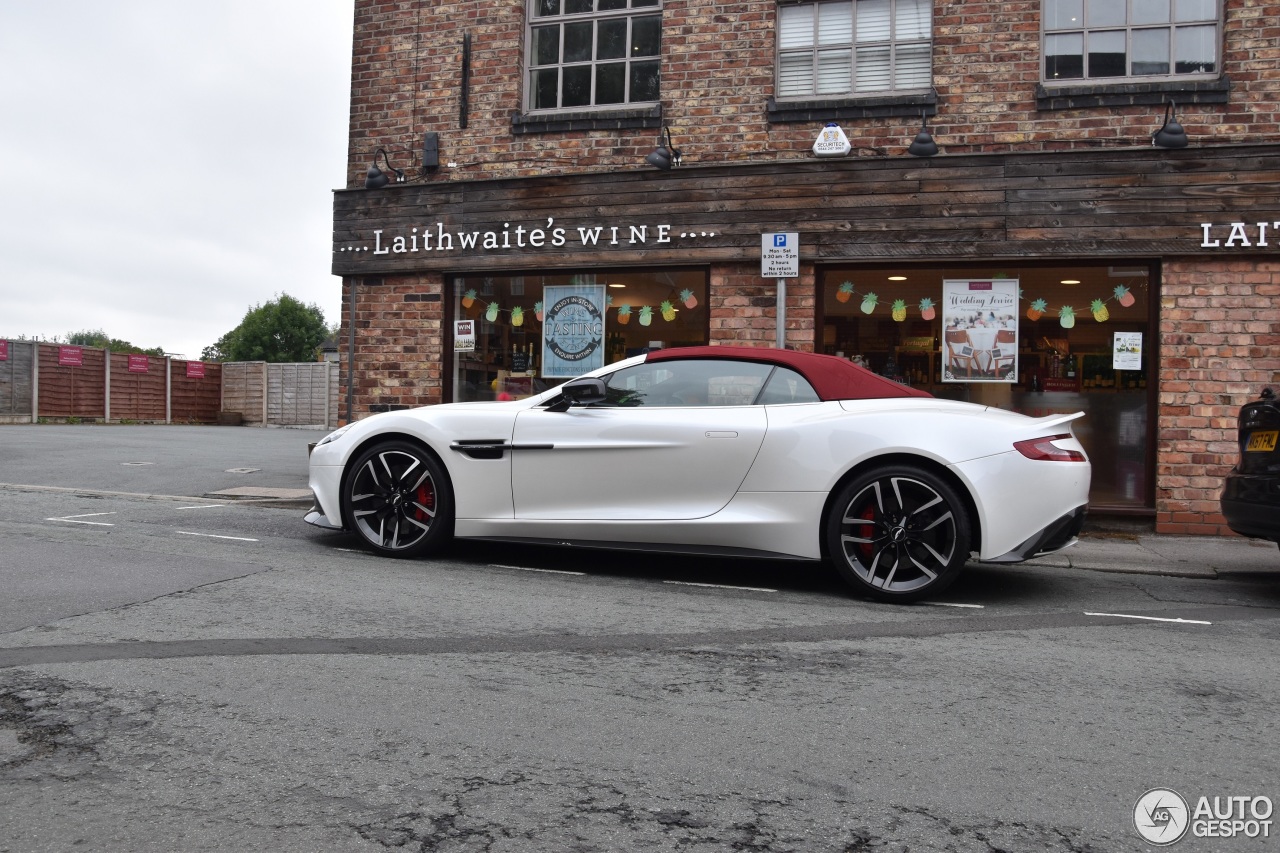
(204, 674)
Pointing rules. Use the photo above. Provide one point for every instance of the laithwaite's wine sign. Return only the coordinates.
(510, 238)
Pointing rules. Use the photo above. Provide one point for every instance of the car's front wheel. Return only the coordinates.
(898, 533)
(397, 499)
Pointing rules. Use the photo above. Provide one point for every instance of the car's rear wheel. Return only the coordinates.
(898, 533)
(397, 499)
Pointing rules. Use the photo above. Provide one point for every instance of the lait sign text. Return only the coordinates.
(1243, 235)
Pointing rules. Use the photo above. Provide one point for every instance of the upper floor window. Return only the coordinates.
(593, 53)
(854, 47)
(1098, 39)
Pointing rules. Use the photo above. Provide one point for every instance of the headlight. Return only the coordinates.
(335, 435)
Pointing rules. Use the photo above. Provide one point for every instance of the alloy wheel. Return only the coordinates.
(899, 535)
(393, 499)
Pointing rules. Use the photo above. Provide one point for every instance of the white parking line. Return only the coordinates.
(1149, 618)
(544, 571)
(721, 586)
(953, 604)
(216, 536)
(72, 519)
(202, 506)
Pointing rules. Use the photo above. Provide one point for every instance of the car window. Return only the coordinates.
(692, 382)
(787, 386)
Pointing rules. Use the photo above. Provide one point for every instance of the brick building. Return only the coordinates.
(529, 133)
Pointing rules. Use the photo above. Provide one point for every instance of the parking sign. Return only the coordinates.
(780, 255)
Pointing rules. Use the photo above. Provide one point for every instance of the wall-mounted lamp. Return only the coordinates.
(1170, 134)
(923, 145)
(376, 178)
(664, 156)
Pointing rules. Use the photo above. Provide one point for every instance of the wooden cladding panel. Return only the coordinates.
(15, 379)
(300, 393)
(137, 396)
(194, 400)
(244, 389)
(68, 391)
(1113, 203)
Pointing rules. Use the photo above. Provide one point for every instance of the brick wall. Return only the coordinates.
(1220, 344)
(399, 343)
(717, 78)
(744, 307)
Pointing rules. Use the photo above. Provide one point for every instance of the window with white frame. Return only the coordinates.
(585, 54)
(1101, 39)
(854, 47)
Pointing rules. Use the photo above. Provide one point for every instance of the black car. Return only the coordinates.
(1251, 494)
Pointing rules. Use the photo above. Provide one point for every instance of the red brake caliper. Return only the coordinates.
(426, 497)
(866, 549)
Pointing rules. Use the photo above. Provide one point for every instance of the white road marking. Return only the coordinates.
(202, 506)
(721, 586)
(72, 519)
(953, 604)
(1149, 618)
(216, 536)
(528, 569)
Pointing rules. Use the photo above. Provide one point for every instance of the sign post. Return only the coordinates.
(780, 259)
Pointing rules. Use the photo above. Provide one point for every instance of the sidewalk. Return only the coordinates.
(1180, 556)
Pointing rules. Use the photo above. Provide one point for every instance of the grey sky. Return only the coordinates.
(168, 165)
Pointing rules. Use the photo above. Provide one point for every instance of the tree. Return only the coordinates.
(98, 338)
(282, 330)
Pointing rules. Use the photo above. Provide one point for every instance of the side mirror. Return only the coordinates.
(585, 391)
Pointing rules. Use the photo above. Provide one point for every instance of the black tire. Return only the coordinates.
(396, 497)
(898, 533)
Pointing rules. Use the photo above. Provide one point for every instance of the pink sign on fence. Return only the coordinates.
(70, 357)
(139, 364)
(195, 369)
(4, 350)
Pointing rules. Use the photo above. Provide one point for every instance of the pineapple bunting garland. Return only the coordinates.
(845, 292)
(1036, 310)
(666, 309)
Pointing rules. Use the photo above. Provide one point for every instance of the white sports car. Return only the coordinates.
(718, 450)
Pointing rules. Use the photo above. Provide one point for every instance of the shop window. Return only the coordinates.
(504, 356)
(845, 48)
(1105, 40)
(586, 54)
(1081, 339)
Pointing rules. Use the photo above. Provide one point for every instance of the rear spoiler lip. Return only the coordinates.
(1055, 420)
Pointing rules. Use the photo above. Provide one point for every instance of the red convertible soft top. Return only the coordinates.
(833, 378)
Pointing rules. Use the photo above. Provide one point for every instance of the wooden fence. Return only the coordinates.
(60, 382)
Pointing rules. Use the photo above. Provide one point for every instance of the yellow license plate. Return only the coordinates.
(1262, 441)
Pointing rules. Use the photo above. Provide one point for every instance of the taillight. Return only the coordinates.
(1045, 450)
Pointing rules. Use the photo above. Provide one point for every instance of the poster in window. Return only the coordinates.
(1126, 351)
(464, 335)
(572, 330)
(980, 330)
